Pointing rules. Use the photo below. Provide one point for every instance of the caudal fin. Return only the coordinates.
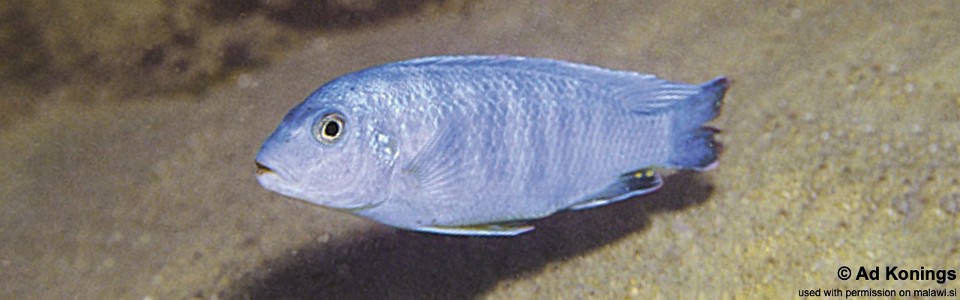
(693, 143)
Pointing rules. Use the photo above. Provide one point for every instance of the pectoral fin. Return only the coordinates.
(640, 182)
(437, 171)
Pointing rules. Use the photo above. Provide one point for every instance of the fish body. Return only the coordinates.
(473, 145)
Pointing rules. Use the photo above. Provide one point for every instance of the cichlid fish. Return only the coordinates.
(475, 145)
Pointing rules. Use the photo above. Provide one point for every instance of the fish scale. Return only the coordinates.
(482, 143)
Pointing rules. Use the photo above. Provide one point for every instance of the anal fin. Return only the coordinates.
(636, 183)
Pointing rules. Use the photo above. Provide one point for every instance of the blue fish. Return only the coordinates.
(476, 145)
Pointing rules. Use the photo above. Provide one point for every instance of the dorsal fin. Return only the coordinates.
(653, 95)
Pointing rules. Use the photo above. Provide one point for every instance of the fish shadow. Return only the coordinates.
(397, 264)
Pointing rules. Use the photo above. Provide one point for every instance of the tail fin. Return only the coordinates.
(693, 144)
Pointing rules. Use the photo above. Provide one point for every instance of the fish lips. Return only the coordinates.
(263, 169)
(274, 181)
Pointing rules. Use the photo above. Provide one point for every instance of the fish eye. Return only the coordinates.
(329, 128)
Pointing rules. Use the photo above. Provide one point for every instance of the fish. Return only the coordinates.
(481, 145)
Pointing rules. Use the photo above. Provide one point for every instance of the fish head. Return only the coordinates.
(327, 151)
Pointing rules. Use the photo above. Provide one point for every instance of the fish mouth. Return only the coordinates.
(262, 169)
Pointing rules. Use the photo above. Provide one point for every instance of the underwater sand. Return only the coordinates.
(841, 135)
